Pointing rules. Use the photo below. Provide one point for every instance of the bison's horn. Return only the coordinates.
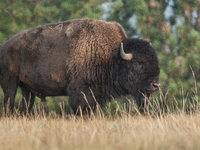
(124, 55)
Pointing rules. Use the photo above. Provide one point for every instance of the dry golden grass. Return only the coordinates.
(172, 131)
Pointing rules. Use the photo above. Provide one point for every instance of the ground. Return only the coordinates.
(138, 132)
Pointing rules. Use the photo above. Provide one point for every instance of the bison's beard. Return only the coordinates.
(142, 99)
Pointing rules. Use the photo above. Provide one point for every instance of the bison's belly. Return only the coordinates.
(43, 90)
(49, 84)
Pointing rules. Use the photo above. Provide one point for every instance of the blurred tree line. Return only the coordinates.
(18, 15)
(172, 26)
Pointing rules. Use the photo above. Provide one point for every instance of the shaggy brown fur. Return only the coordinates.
(77, 58)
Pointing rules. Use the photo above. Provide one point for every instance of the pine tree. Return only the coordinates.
(18, 15)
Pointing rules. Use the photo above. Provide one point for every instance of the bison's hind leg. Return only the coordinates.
(9, 85)
(27, 102)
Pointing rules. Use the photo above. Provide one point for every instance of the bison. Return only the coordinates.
(91, 61)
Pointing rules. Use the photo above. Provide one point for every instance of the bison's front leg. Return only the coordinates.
(82, 102)
(9, 86)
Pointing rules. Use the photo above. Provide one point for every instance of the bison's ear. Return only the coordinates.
(124, 55)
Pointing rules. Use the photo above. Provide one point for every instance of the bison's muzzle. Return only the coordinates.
(142, 98)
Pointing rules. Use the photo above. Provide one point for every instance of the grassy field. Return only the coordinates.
(160, 127)
(138, 132)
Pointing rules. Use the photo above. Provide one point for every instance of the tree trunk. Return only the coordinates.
(198, 20)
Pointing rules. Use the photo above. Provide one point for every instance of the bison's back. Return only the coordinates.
(49, 58)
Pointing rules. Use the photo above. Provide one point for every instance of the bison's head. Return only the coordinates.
(138, 70)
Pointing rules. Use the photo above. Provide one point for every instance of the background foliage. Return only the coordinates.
(172, 26)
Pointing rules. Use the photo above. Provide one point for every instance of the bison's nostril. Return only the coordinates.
(156, 85)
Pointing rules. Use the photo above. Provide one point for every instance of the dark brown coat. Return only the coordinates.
(78, 58)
